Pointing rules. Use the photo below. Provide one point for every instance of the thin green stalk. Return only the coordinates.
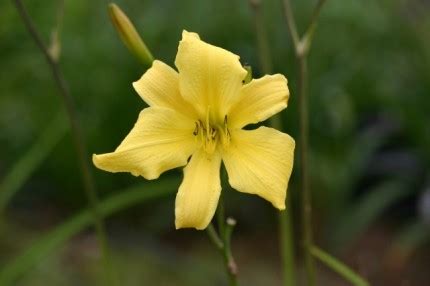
(339, 267)
(229, 261)
(263, 49)
(301, 48)
(222, 241)
(222, 238)
(77, 134)
(286, 241)
(306, 207)
(285, 223)
(314, 19)
(214, 237)
(291, 24)
(220, 214)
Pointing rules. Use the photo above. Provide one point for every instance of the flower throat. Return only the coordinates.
(210, 133)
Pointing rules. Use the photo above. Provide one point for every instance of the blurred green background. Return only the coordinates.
(369, 115)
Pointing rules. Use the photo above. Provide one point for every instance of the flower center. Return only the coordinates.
(209, 133)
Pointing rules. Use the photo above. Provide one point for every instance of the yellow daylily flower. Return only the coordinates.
(200, 112)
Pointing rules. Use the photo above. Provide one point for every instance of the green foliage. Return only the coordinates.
(58, 236)
(369, 90)
(31, 160)
(357, 219)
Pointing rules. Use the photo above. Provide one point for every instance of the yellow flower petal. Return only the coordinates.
(209, 77)
(260, 162)
(199, 192)
(160, 140)
(159, 86)
(259, 100)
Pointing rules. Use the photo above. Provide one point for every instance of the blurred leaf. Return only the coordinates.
(341, 173)
(31, 160)
(405, 244)
(59, 235)
(413, 236)
(362, 150)
(366, 210)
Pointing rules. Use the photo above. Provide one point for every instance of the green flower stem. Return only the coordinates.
(77, 134)
(221, 239)
(223, 243)
(338, 266)
(313, 22)
(214, 237)
(220, 209)
(306, 207)
(286, 242)
(285, 222)
(229, 261)
(261, 35)
(301, 48)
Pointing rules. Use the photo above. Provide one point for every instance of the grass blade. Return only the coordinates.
(31, 160)
(364, 212)
(338, 267)
(58, 236)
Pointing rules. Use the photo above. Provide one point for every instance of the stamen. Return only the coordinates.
(196, 130)
(226, 138)
(209, 134)
(213, 133)
(208, 117)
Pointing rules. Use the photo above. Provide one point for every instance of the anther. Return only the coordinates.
(196, 130)
(213, 133)
(226, 131)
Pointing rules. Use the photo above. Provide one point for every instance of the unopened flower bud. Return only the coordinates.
(129, 35)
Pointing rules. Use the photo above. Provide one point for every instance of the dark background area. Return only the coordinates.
(369, 120)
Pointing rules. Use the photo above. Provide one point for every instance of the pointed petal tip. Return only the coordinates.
(189, 35)
(279, 202)
(293, 143)
(155, 63)
(280, 206)
(283, 78)
(101, 161)
(96, 160)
